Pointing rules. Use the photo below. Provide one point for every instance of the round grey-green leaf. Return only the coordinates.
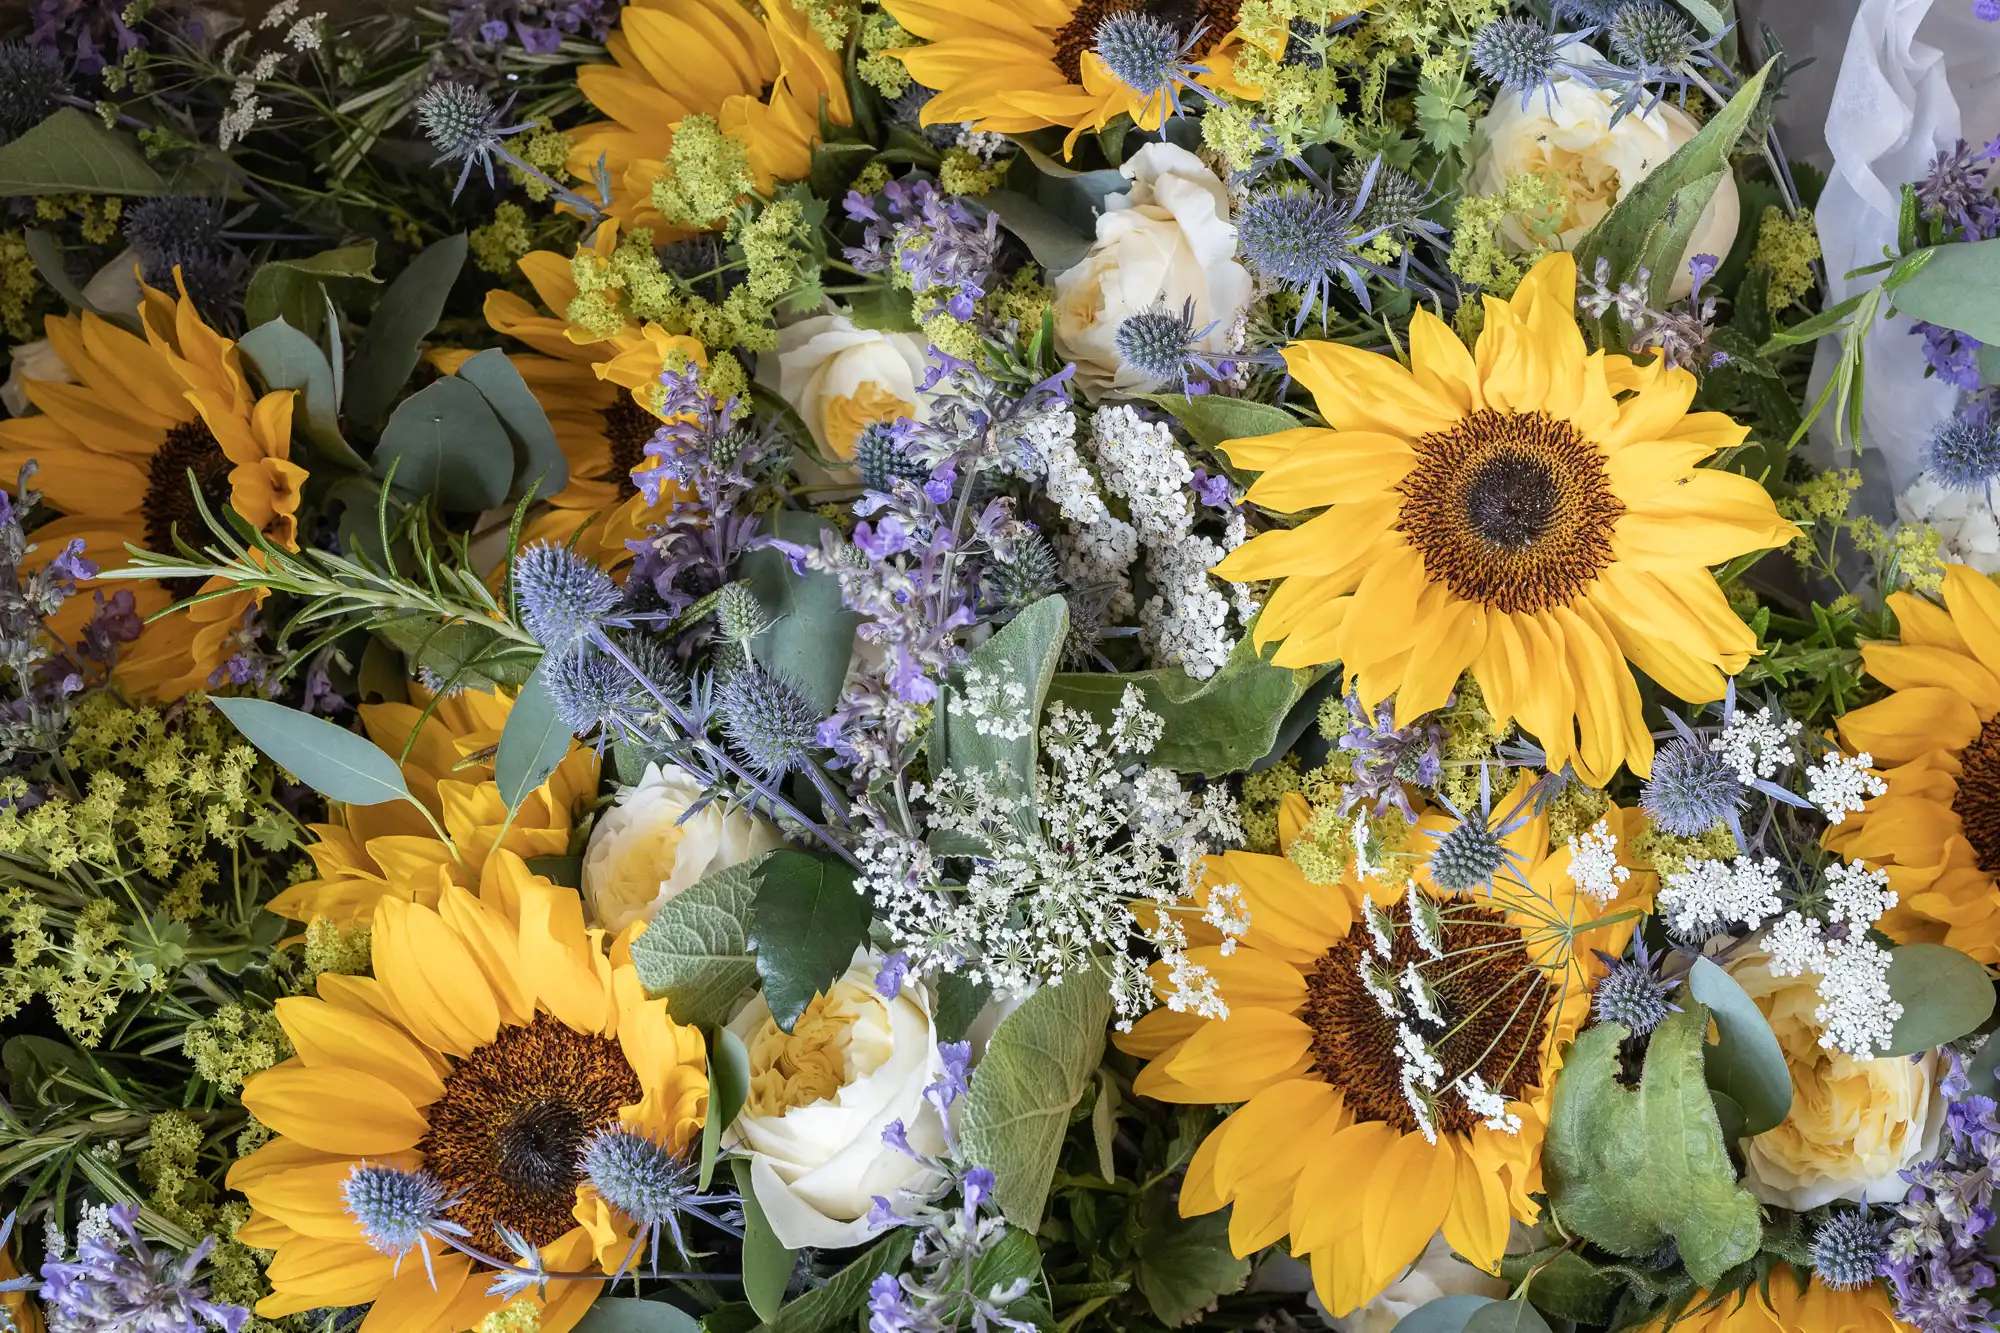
(1746, 1064)
(1506, 1317)
(629, 1314)
(1446, 1314)
(445, 442)
(330, 759)
(1944, 995)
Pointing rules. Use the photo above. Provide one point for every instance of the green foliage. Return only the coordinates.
(806, 612)
(1944, 993)
(1022, 655)
(407, 313)
(1746, 1064)
(696, 951)
(1184, 1264)
(330, 759)
(808, 921)
(767, 1264)
(71, 153)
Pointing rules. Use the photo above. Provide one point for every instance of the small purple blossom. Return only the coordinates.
(119, 1284)
(1386, 757)
(1213, 490)
(1958, 190)
(897, 1137)
(1938, 1269)
(951, 1080)
(1953, 356)
(934, 238)
(978, 1187)
(889, 980)
(1988, 10)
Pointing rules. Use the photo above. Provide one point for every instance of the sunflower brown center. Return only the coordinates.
(1511, 510)
(627, 428)
(1215, 18)
(168, 506)
(1977, 804)
(1490, 999)
(505, 1138)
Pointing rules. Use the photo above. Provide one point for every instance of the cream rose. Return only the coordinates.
(1437, 1272)
(1166, 241)
(113, 289)
(820, 1097)
(1569, 139)
(842, 378)
(1854, 1124)
(643, 853)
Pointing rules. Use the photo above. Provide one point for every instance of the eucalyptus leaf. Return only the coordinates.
(807, 922)
(1220, 725)
(767, 1265)
(1959, 288)
(295, 290)
(72, 153)
(408, 312)
(1446, 1314)
(446, 443)
(285, 357)
(1746, 1064)
(539, 463)
(1944, 993)
(1514, 1316)
(808, 641)
(630, 1314)
(832, 1305)
(1024, 653)
(696, 950)
(1013, 1117)
(1056, 243)
(728, 1089)
(532, 743)
(46, 253)
(330, 759)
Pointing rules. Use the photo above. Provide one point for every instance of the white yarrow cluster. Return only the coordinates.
(1857, 894)
(1712, 895)
(1857, 1012)
(1488, 1104)
(1756, 744)
(1841, 785)
(1058, 875)
(246, 110)
(1593, 863)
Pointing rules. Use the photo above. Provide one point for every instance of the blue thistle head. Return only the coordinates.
(464, 126)
(1517, 54)
(1158, 343)
(1030, 574)
(31, 81)
(1848, 1250)
(1692, 788)
(183, 232)
(1467, 856)
(395, 1209)
(882, 457)
(1964, 452)
(1305, 239)
(767, 720)
(563, 596)
(1143, 52)
(1649, 35)
(1631, 994)
(640, 1178)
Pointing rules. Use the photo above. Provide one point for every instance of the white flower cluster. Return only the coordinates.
(1057, 875)
(1710, 895)
(1756, 744)
(1593, 864)
(997, 708)
(246, 110)
(1841, 786)
(1967, 528)
(1488, 1103)
(1856, 1013)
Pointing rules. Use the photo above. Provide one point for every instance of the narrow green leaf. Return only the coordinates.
(1747, 1063)
(1213, 419)
(408, 312)
(1944, 993)
(696, 951)
(445, 442)
(284, 357)
(808, 921)
(46, 253)
(330, 759)
(539, 463)
(1024, 653)
(532, 743)
(1035, 1069)
(728, 1089)
(72, 153)
(767, 1265)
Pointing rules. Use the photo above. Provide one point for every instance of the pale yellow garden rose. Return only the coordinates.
(643, 853)
(1854, 1124)
(1568, 139)
(842, 378)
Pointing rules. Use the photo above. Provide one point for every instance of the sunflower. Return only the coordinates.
(1328, 1147)
(1525, 510)
(372, 852)
(1012, 68)
(495, 1035)
(1936, 739)
(762, 81)
(1785, 1306)
(114, 452)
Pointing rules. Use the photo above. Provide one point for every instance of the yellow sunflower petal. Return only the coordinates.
(1910, 722)
(334, 1110)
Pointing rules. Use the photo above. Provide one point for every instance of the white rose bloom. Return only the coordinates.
(113, 289)
(1166, 240)
(841, 378)
(642, 853)
(821, 1096)
(1569, 138)
(1968, 533)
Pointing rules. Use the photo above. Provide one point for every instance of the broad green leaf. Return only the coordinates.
(1506, 1317)
(767, 1265)
(539, 463)
(807, 923)
(958, 1002)
(564, 870)
(1944, 995)
(408, 312)
(462, 651)
(1035, 1069)
(809, 639)
(72, 153)
(1981, 1070)
(1055, 243)
(286, 358)
(1707, 15)
(1665, 203)
(1959, 288)
(1746, 1064)
(295, 290)
(1566, 1284)
(1989, 364)
(696, 951)
(532, 743)
(446, 443)
(630, 1314)
(1630, 1169)
(728, 1089)
(1182, 1264)
(330, 759)
(1213, 419)
(834, 1304)
(1446, 1314)
(1220, 725)
(1025, 653)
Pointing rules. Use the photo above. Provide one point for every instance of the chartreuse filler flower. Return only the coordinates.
(1527, 510)
(494, 1038)
(1330, 1144)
